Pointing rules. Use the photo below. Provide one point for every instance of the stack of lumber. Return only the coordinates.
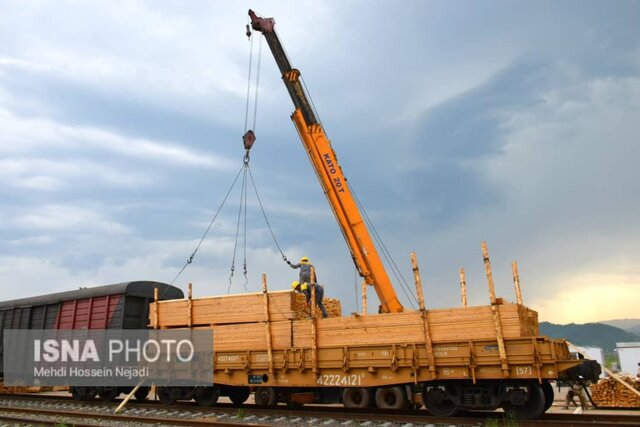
(477, 322)
(464, 323)
(233, 309)
(251, 336)
(238, 322)
(332, 305)
(609, 393)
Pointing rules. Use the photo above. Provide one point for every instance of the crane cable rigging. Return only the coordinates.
(248, 141)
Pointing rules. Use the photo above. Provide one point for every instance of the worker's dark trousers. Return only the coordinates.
(319, 297)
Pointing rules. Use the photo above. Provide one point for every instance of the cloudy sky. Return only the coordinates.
(455, 122)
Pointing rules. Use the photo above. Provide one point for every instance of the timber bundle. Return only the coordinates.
(609, 393)
(301, 308)
(238, 322)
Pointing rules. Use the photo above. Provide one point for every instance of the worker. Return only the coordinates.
(572, 393)
(305, 270)
(305, 288)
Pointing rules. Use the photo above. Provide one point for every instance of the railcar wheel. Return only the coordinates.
(266, 396)
(532, 408)
(436, 402)
(166, 396)
(206, 396)
(356, 398)
(142, 393)
(547, 389)
(239, 395)
(107, 394)
(391, 398)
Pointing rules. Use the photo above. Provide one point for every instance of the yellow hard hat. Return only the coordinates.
(304, 259)
(304, 286)
(295, 284)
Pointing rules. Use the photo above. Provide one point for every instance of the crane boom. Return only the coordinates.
(329, 172)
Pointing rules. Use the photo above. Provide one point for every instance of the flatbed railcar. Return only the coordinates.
(446, 359)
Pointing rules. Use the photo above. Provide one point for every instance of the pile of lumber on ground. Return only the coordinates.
(609, 393)
(33, 389)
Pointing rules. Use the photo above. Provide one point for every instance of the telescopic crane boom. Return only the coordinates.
(333, 181)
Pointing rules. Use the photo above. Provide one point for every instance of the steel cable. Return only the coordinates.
(193, 254)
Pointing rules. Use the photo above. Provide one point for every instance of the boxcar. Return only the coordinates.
(119, 306)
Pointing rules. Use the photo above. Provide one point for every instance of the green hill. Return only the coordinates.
(589, 334)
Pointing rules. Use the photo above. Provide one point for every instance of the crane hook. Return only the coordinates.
(248, 33)
(248, 139)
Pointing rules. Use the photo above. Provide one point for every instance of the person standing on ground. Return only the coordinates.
(572, 393)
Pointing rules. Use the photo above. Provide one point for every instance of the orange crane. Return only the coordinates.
(329, 172)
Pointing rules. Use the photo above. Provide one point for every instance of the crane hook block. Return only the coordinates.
(249, 138)
(248, 33)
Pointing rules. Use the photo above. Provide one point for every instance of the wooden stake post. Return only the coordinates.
(267, 322)
(423, 313)
(463, 287)
(516, 282)
(364, 298)
(494, 309)
(314, 328)
(190, 305)
(155, 308)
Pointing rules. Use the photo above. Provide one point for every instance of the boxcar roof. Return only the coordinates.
(137, 288)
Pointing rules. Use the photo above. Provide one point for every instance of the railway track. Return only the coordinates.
(38, 416)
(186, 414)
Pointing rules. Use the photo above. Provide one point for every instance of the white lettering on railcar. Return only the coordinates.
(443, 350)
(340, 380)
(524, 370)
